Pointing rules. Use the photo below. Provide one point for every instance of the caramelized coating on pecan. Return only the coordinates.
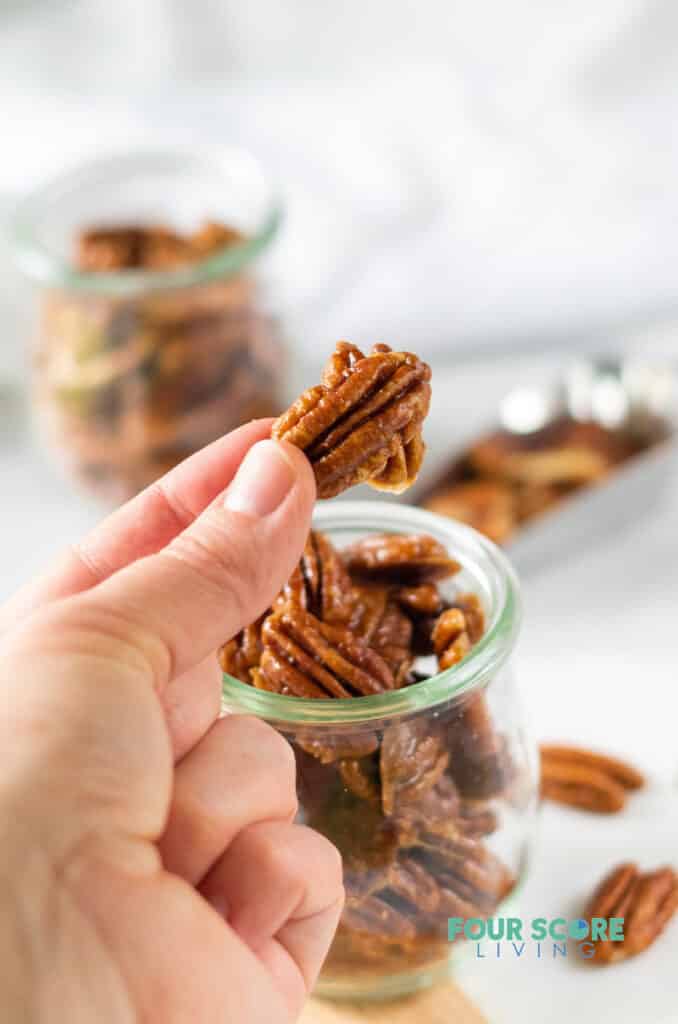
(304, 657)
(395, 558)
(320, 583)
(419, 600)
(422, 604)
(467, 872)
(487, 505)
(362, 423)
(379, 621)
(435, 812)
(456, 630)
(411, 762)
(587, 780)
(646, 902)
(339, 746)
(479, 762)
(451, 641)
(360, 777)
(243, 653)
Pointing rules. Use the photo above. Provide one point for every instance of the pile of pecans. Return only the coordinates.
(505, 480)
(408, 803)
(129, 385)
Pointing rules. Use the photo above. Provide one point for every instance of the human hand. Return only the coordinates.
(150, 869)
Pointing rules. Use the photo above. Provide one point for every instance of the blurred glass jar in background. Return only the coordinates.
(155, 333)
(428, 791)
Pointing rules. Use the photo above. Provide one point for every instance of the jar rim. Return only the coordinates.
(479, 665)
(41, 264)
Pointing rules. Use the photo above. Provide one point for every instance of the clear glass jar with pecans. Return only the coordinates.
(421, 772)
(156, 333)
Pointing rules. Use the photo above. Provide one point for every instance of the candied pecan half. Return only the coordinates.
(422, 604)
(476, 819)
(456, 630)
(379, 621)
(304, 657)
(362, 423)
(243, 653)
(479, 762)
(435, 812)
(465, 869)
(450, 638)
(361, 777)
(397, 558)
(647, 902)
(411, 762)
(487, 505)
(587, 780)
(376, 917)
(337, 747)
(320, 582)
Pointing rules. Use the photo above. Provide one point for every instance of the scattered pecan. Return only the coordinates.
(304, 657)
(587, 780)
(320, 583)
(487, 505)
(395, 558)
(646, 902)
(411, 762)
(362, 423)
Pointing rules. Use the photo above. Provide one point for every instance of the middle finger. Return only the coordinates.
(241, 772)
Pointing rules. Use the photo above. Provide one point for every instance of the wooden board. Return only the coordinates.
(444, 1004)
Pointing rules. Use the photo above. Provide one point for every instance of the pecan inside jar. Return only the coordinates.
(362, 423)
(410, 800)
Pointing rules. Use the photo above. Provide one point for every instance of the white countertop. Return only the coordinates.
(597, 663)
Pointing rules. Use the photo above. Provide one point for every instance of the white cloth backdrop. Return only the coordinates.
(457, 175)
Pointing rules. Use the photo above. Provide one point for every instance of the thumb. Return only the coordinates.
(174, 608)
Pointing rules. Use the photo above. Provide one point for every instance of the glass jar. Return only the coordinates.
(429, 791)
(134, 369)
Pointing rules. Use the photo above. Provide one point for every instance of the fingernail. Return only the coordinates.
(264, 479)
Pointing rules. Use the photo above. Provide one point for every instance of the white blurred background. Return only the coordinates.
(457, 174)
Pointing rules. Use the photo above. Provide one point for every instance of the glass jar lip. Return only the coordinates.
(479, 665)
(42, 265)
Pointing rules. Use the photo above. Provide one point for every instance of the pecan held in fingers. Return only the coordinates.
(362, 423)
(646, 902)
(587, 780)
